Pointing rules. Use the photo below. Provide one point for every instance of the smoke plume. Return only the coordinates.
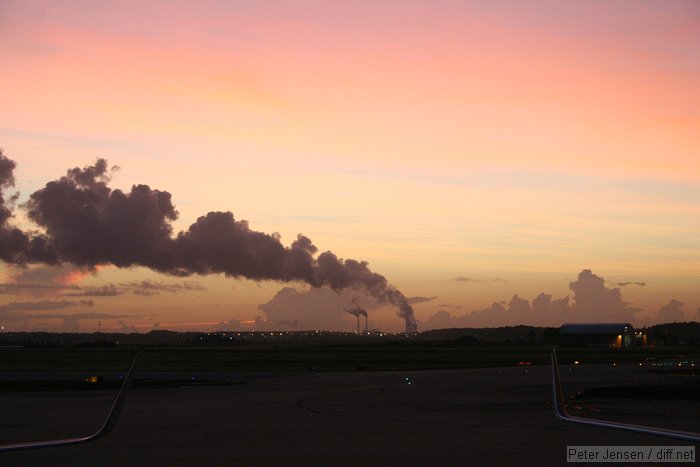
(16, 246)
(357, 311)
(86, 223)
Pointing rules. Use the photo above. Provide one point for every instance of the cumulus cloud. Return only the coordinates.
(592, 302)
(443, 320)
(598, 303)
(318, 308)
(672, 312)
(126, 327)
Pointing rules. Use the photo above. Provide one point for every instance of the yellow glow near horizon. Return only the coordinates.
(433, 141)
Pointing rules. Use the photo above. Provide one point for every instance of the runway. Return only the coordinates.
(497, 416)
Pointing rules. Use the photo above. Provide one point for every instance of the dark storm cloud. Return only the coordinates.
(86, 223)
(625, 284)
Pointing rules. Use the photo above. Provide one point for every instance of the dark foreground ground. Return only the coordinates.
(494, 416)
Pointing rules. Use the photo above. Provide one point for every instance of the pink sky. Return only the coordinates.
(518, 141)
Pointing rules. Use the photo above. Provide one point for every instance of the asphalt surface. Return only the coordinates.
(492, 416)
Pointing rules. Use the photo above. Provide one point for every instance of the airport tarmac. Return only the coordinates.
(496, 416)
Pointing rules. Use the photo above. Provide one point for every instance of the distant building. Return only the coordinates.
(600, 335)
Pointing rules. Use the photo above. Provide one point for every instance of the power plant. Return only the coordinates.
(411, 326)
(357, 312)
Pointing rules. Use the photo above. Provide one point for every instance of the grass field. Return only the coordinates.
(406, 356)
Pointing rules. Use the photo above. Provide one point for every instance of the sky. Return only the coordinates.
(477, 154)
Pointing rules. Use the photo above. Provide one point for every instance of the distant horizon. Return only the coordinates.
(370, 333)
(190, 165)
(607, 302)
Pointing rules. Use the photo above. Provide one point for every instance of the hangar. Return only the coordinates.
(599, 335)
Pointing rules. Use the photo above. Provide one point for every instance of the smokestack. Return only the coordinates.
(357, 312)
(406, 312)
(366, 331)
(411, 327)
(86, 223)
